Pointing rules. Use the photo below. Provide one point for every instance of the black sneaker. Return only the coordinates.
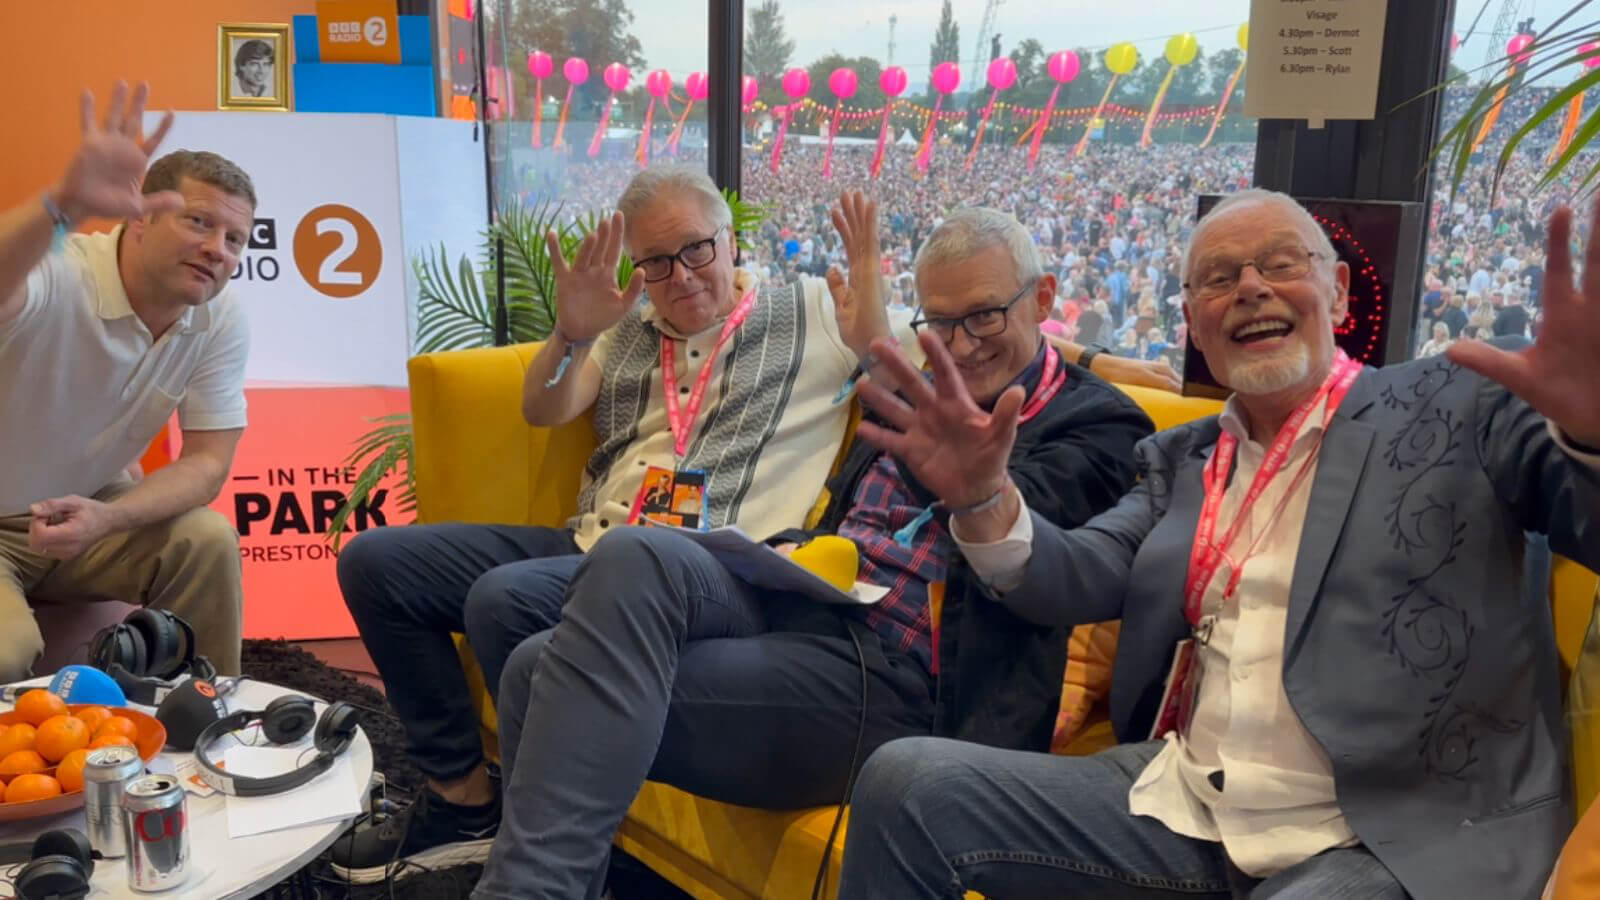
(429, 834)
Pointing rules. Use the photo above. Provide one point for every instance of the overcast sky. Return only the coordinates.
(673, 32)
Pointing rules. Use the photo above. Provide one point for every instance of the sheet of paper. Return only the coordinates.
(332, 795)
(1314, 59)
(762, 566)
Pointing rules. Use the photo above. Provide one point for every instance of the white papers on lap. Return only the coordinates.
(756, 563)
(332, 795)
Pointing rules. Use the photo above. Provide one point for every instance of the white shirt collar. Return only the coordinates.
(1235, 419)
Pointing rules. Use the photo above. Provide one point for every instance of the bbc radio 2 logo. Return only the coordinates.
(374, 31)
(335, 249)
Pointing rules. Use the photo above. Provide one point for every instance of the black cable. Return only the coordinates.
(850, 778)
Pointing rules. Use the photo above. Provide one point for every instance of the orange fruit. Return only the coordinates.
(117, 725)
(93, 716)
(18, 737)
(60, 735)
(31, 787)
(70, 770)
(111, 740)
(39, 704)
(22, 762)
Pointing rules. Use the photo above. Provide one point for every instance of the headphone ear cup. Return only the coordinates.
(52, 878)
(131, 650)
(162, 641)
(69, 842)
(336, 729)
(288, 719)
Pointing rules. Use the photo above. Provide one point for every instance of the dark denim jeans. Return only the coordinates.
(409, 588)
(935, 818)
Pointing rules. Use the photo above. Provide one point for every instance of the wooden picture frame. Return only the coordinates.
(253, 66)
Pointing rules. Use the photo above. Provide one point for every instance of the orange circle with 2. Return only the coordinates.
(337, 250)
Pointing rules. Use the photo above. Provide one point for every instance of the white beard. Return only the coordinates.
(1277, 373)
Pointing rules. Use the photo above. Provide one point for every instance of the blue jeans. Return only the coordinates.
(409, 588)
(666, 666)
(934, 818)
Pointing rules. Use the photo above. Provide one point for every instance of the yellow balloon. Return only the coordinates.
(1181, 49)
(1244, 37)
(1121, 58)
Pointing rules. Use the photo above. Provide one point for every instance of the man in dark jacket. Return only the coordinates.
(670, 666)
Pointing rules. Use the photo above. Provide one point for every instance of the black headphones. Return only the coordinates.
(146, 652)
(59, 867)
(284, 721)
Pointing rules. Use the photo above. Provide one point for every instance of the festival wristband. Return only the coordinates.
(566, 356)
(61, 221)
(983, 505)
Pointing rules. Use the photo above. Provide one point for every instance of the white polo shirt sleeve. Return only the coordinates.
(213, 399)
(54, 274)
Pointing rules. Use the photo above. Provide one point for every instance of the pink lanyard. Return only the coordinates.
(1050, 384)
(1207, 556)
(682, 420)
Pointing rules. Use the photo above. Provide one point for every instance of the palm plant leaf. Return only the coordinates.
(381, 451)
(747, 217)
(452, 313)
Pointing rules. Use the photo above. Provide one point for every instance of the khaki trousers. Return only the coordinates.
(188, 565)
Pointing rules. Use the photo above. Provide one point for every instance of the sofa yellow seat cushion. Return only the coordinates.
(476, 461)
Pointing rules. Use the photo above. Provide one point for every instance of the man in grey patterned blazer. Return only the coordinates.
(1329, 682)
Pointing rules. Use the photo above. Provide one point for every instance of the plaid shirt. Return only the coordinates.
(881, 506)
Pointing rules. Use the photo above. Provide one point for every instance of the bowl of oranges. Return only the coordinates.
(44, 743)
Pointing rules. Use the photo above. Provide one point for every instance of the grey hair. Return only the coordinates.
(658, 180)
(971, 230)
(1320, 244)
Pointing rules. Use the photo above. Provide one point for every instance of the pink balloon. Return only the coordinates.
(617, 77)
(1063, 65)
(893, 81)
(576, 70)
(946, 77)
(796, 83)
(540, 65)
(658, 83)
(1591, 55)
(1517, 48)
(1002, 73)
(696, 86)
(751, 89)
(1455, 42)
(843, 83)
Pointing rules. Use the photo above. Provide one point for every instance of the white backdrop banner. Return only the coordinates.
(325, 279)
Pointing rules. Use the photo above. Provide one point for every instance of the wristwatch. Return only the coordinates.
(1090, 351)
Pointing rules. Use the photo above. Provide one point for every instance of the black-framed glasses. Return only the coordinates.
(697, 255)
(1278, 264)
(979, 324)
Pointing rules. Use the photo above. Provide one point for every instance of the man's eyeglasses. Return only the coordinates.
(979, 324)
(1277, 265)
(697, 255)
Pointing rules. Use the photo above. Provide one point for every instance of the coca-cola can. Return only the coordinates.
(106, 773)
(156, 817)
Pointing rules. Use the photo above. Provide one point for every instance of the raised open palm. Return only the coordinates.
(588, 300)
(954, 448)
(1560, 374)
(104, 178)
(858, 299)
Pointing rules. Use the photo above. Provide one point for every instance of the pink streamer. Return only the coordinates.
(1044, 125)
(833, 130)
(600, 129)
(983, 124)
(925, 152)
(883, 134)
(783, 131)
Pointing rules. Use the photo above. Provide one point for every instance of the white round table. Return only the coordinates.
(220, 867)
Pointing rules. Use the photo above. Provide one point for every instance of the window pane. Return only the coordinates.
(1108, 209)
(574, 86)
(1484, 261)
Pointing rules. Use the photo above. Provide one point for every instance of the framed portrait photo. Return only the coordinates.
(253, 66)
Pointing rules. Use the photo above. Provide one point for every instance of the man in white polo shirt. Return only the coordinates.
(102, 337)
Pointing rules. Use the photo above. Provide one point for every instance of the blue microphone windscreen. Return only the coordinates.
(86, 684)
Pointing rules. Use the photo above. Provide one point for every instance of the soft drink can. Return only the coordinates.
(106, 772)
(156, 818)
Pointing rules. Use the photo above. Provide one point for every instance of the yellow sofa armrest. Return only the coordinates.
(475, 459)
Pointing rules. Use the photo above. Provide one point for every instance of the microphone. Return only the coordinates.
(76, 684)
(187, 709)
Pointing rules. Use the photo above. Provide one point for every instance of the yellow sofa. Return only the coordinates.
(477, 461)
